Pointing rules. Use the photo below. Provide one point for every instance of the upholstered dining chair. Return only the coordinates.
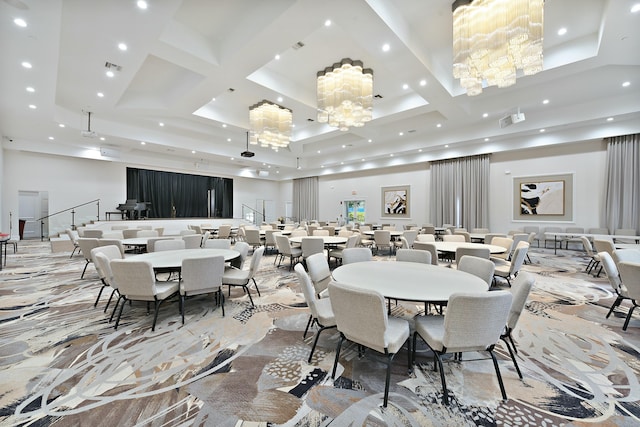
(201, 276)
(286, 250)
(205, 236)
(86, 244)
(382, 239)
(321, 232)
(136, 281)
(321, 311)
(352, 242)
(506, 243)
(472, 322)
(630, 276)
(453, 238)
(361, 317)
(73, 236)
(218, 244)
(631, 255)
(429, 247)
(352, 255)
(151, 243)
(425, 238)
(410, 237)
(413, 255)
(224, 231)
(130, 233)
(488, 237)
(520, 290)
(465, 234)
(479, 252)
(270, 240)
(192, 241)
(147, 233)
(237, 277)
(510, 269)
(169, 245)
(101, 257)
(93, 233)
(613, 275)
(480, 267)
(312, 245)
(603, 245)
(112, 242)
(243, 250)
(252, 237)
(594, 259)
(320, 273)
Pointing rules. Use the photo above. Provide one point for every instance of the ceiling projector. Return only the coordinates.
(247, 154)
(511, 119)
(89, 134)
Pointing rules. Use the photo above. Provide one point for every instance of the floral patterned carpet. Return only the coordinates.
(63, 364)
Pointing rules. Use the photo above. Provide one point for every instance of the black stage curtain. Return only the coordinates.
(180, 195)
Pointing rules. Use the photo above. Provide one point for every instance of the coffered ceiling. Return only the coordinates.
(195, 66)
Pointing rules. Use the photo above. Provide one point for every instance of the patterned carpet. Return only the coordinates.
(63, 364)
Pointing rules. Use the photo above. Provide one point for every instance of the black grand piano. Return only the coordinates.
(132, 209)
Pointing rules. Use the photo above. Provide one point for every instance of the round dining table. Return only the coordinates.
(392, 233)
(172, 260)
(329, 241)
(450, 247)
(409, 281)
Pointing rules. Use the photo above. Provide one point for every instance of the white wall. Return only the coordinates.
(71, 181)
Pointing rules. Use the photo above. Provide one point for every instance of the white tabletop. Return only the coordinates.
(142, 241)
(452, 246)
(393, 233)
(409, 281)
(283, 232)
(328, 240)
(173, 259)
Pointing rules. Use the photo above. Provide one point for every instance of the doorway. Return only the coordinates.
(33, 205)
(355, 211)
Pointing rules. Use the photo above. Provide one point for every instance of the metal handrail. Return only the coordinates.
(73, 213)
(254, 215)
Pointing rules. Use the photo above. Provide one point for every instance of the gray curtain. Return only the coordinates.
(460, 192)
(305, 198)
(621, 206)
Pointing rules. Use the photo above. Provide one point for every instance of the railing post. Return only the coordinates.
(98, 203)
(73, 220)
(41, 231)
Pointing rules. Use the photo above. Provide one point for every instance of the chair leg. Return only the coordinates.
(387, 380)
(315, 341)
(626, 321)
(513, 356)
(445, 393)
(109, 302)
(335, 362)
(221, 295)
(246, 289)
(256, 285)
(120, 312)
(307, 328)
(95, 304)
(155, 314)
(495, 364)
(613, 306)
(181, 307)
(84, 269)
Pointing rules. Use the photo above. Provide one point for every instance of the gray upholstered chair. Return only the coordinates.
(73, 236)
(361, 317)
(479, 252)
(510, 269)
(192, 241)
(224, 231)
(201, 276)
(321, 311)
(506, 243)
(352, 255)
(453, 238)
(286, 250)
(312, 245)
(472, 322)
(93, 233)
(630, 276)
(611, 270)
(594, 259)
(413, 255)
(429, 247)
(236, 277)
(425, 238)
(217, 244)
(465, 234)
(382, 239)
(101, 257)
(480, 267)
(151, 242)
(488, 237)
(86, 244)
(520, 290)
(169, 245)
(352, 242)
(130, 233)
(603, 245)
(410, 237)
(112, 242)
(243, 250)
(319, 272)
(252, 237)
(136, 281)
(270, 240)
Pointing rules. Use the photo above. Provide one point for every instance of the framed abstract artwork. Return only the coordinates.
(543, 198)
(396, 201)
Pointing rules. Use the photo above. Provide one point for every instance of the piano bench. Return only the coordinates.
(107, 215)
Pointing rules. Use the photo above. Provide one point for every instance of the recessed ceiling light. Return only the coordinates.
(344, 146)
(423, 82)
(100, 95)
(362, 160)
(439, 125)
(213, 100)
(33, 107)
(610, 119)
(277, 171)
(562, 31)
(233, 158)
(102, 138)
(122, 46)
(370, 140)
(327, 23)
(626, 84)
(400, 133)
(279, 99)
(20, 22)
(318, 151)
(485, 115)
(161, 124)
(342, 163)
(277, 57)
(546, 101)
(193, 151)
(30, 89)
(405, 86)
(51, 138)
(110, 73)
(486, 140)
(635, 8)
(228, 139)
(446, 146)
(543, 130)
(224, 125)
(391, 155)
(321, 166)
(142, 4)
(26, 64)
(61, 125)
(420, 150)
(143, 143)
(386, 47)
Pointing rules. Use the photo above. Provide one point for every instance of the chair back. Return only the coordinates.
(453, 238)
(252, 237)
(283, 244)
(480, 230)
(92, 233)
(135, 279)
(269, 239)
(630, 276)
(299, 232)
(466, 235)
(479, 267)
(130, 233)
(147, 233)
(476, 252)
(117, 234)
(518, 258)
(506, 243)
(345, 233)
(319, 270)
(205, 236)
(610, 267)
(218, 244)
(520, 290)
(255, 261)
(192, 241)
(331, 230)
(102, 264)
(586, 244)
(86, 244)
(200, 275)
(307, 289)
(109, 252)
(151, 242)
(351, 255)
(488, 238)
(382, 237)
(517, 238)
(604, 246)
(169, 245)
(631, 255)
(112, 242)
(73, 235)
(160, 231)
(243, 249)
(475, 321)
(599, 230)
(360, 315)
(321, 232)
(312, 245)
(411, 236)
(224, 231)
(429, 247)
(413, 255)
(425, 238)
(119, 227)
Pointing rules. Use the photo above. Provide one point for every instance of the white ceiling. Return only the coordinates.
(183, 53)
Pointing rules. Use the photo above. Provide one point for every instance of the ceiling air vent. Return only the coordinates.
(297, 46)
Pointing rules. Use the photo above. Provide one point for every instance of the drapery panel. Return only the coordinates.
(621, 205)
(305, 198)
(188, 194)
(460, 191)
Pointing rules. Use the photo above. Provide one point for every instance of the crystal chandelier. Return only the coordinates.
(345, 94)
(270, 125)
(494, 38)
